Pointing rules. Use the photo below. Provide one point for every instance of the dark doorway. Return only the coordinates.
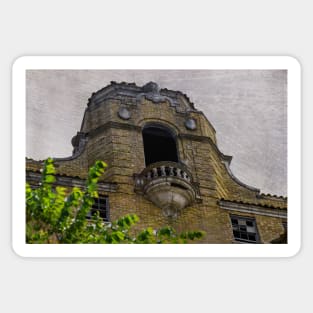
(159, 145)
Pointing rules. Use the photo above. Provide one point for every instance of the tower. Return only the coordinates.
(164, 165)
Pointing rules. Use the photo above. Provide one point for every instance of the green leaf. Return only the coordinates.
(59, 216)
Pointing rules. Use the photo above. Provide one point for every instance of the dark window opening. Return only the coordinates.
(159, 145)
(234, 221)
(244, 229)
(101, 206)
(252, 237)
(249, 223)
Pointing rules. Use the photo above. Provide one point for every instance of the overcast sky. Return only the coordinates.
(248, 109)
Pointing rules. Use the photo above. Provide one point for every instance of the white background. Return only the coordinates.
(162, 28)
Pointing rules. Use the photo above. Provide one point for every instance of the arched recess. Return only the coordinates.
(159, 144)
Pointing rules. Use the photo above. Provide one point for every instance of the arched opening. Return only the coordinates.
(159, 144)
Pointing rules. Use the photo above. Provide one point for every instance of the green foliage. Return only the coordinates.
(54, 215)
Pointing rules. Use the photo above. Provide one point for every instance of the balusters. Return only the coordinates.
(155, 172)
(163, 173)
(171, 170)
(167, 171)
(178, 172)
(149, 175)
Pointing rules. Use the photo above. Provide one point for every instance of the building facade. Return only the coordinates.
(164, 165)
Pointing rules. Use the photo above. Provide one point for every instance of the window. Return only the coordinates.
(244, 229)
(100, 205)
(159, 144)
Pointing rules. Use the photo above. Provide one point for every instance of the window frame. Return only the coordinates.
(246, 219)
(96, 207)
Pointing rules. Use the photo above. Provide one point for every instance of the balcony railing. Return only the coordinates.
(163, 169)
(168, 185)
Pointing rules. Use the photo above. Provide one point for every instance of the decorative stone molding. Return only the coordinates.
(124, 114)
(254, 209)
(191, 124)
(79, 142)
(134, 94)
(168, 185)
(116, 125)
(151, 91)
(68, 181)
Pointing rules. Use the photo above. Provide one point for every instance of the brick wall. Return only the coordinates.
(119, 143)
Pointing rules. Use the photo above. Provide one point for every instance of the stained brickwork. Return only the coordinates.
(115, 136)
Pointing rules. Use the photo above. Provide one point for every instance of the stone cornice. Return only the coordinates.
(68, 181)
(149, 91)
(112, 124)
(253, 208)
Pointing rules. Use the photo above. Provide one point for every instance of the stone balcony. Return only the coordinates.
(169, 185)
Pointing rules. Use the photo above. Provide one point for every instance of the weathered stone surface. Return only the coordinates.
(119, 143)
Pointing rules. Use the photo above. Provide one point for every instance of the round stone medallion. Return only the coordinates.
(191, 124)
(124, 114)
